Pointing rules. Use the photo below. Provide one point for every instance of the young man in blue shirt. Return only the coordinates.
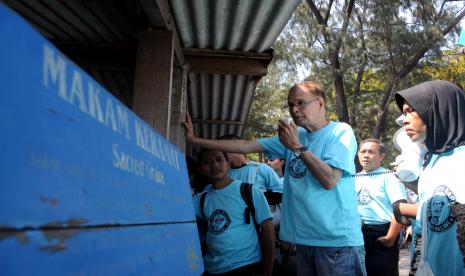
(319, 208)
(233, 246)
(259, 174)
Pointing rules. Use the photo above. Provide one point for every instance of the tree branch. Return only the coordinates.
(328, 12)
(316, 12)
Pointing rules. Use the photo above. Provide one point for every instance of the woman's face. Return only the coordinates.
(413, 124)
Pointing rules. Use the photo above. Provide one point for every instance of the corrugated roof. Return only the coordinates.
(219, 103)
(241, 25)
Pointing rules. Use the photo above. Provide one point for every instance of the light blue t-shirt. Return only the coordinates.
(461, 41)
(375, 194)
(441, 183)
(310, 214)
(258, 174)
(231, 242)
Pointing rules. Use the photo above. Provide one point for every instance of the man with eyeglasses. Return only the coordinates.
(319, 207)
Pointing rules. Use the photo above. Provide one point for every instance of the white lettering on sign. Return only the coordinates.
(77, 91)
(55, 73)
(104, 109)
(148, 141)
(126, 162)
(95, 110)
(57, 70)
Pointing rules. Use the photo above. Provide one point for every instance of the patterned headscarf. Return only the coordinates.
(441, 106)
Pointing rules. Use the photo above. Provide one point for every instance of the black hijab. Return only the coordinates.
(441, 106)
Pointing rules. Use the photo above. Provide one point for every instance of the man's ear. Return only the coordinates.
(382, 155)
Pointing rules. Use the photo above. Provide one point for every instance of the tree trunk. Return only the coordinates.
(341, 102)
(380, 125)
(360, 72)
(338, 81)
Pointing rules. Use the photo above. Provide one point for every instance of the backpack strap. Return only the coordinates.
(246, 194)
(202, 224)
(202, 204)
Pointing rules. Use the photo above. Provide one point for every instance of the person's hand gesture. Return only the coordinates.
(190, 135)
(288, 135)
(287, 248)
(386, 241)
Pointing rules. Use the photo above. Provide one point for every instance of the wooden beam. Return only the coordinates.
(202, 121)
(153, 79)
(227, 62)
(154, 9)
(178, 108)
(226, 53)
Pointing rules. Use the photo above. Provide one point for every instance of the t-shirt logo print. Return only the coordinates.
(364, 197)
(219, 222)
(438, 211)
(297, 168)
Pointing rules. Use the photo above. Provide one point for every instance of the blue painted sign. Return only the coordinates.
(149, 250)
(74, 157)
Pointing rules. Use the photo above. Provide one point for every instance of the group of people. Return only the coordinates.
(334, 221)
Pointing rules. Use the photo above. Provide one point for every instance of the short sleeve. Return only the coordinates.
(342, 151)
(196, 203)
(272, 181)
(273, 147)
(395, 190)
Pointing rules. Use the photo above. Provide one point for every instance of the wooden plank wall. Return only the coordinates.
(153, 78)
(87, 187)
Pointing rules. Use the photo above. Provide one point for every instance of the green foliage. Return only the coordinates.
(267, 108)
(450, 65)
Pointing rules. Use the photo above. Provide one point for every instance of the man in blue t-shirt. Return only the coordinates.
(319, 208)
(232, 244)
(377, 191)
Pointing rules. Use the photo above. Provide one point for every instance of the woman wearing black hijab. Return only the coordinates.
(435, 114)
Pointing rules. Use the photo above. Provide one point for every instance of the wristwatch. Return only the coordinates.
(298, 152)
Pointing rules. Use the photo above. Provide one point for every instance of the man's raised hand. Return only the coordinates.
(190, 135)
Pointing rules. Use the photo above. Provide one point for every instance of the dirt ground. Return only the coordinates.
(404, 261)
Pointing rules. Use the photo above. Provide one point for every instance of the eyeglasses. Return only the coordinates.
(301, 104)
